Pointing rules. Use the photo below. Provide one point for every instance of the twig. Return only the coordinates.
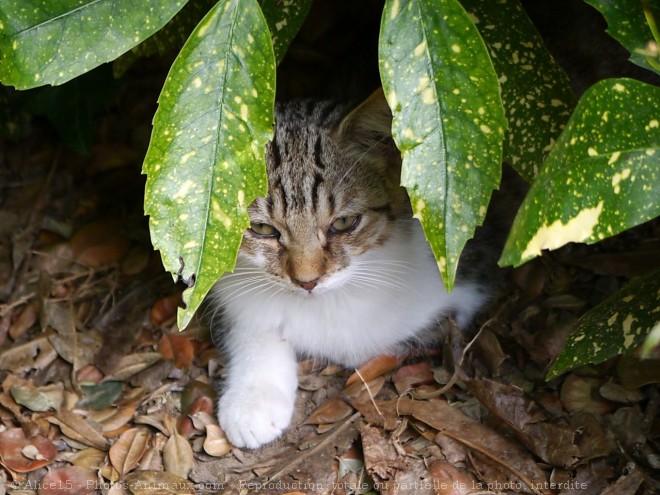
(304, 455)
(373, 401)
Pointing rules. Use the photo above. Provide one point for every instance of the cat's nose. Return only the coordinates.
(307, 285)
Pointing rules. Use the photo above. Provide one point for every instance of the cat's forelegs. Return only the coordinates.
(260, 389)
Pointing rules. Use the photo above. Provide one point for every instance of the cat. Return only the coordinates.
(333, 266)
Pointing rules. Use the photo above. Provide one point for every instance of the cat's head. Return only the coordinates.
(333, 192)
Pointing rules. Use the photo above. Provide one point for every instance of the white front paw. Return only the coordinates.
(254, 415)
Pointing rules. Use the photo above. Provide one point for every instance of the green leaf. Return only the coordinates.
(536, 92)
(601, 177)
(205, 162)
(53, 41)
(614, 327)
(284, 18)
(172, 37)
(634, 24)
(448, 119)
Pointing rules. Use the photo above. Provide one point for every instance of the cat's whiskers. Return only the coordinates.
(233, 284)
(275, 293)
(383, 275)
(239, 289)
(384, 278)
(242, 274)
(400, 263)
(242, 293)
(359, 284)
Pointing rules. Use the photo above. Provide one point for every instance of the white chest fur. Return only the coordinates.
(386, 296)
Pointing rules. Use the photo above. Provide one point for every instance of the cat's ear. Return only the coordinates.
(369, 122)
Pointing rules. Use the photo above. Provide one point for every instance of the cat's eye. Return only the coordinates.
(264, 230)
(345, 224)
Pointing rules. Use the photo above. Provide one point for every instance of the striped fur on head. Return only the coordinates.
(326, 164)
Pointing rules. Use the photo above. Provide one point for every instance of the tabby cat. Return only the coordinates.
(333, 266)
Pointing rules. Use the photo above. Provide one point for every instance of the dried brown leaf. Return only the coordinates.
(617, 393)
(634, 372)
(361, 391)
(380, 457)
(202, 419)
(14, 447)
(88, 458)
(197, 396)
(450, 480)
(127, 451)
(154, 420)
(74, 346)
(333, 410)
(411, 479)
(55, 259)
(304, 461)
(553, 443)
(454, 451)
(626, 485)
(186, 427)
(382, 413)
(630, 427)
(636, 262)
(112, 418)
(374, 367)
(164, 309)
(99, 243)
(143, 483)
(531, 277)
(75, 480)
(35, 354)
(177, 455)
(78, 348)
(153, 458)
(592, 441)
(135, 260)
(588, 479)
(177, 348)
(216, 443)
(129, 365)
(413, 375)
(580, 393)
(503, 451)
(491, 350)
(88, 375)
(494, 477)
(27, 317)
(118, 489)
(79, 429)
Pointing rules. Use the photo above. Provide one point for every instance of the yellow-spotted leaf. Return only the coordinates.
(635, 24)
(53, 41)
(617, 326)
(284, 18)
(448, 119)
(205, 162)
(172, 37)
(536, 92)
(602, 176)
